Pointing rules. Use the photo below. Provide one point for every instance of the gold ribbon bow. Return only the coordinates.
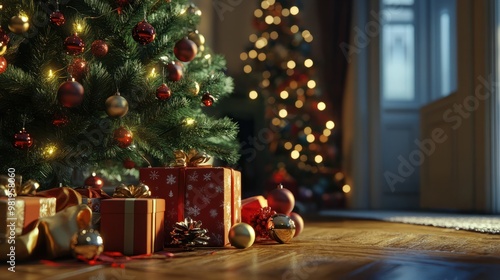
(28, 188)
(131, 191)
(192, 159)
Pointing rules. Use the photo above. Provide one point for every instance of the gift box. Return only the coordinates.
(211, 195)
(21, 213)
(133, 226)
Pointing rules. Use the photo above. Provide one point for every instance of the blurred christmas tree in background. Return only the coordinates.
(92, 84)
(302, 149)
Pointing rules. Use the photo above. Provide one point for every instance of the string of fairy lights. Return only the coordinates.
(292, 100)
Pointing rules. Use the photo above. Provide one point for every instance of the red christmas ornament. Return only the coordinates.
(4, 38)
(57, 18)
(163, 92)
(129, 164)
(207, 99)
(78, 68)
(22, 140)
(259, 222)
(144, 33)
(74, 45)
(99, 48)
(60, 120)
(299, 223)
(3, 64)
(175, 71)
(70, 94)
(94, 182)
(123, 137)
(281, 200)
(185, 50)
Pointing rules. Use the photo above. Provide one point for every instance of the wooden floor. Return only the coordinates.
(339, 249)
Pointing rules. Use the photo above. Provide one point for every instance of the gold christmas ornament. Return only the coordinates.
(19, 23)
(194, 88)
(3, 49)
(87, 244)
(241, 235)
(198, 39)
(131, 191)
(116, 106)
(281, 228)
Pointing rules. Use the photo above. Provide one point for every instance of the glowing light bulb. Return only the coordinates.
(253, 37)
(252, 54)
(299, 104)
(284, 94)
(310, 138)
(307, 130)
(318, 159)
(261, 42)
(291, 64)
(346, 188)
(294, 10)
(330, 125)
(258, 13)
(321, 106)
(311, 84)
(308, 63)
(269, 19)
(283, 113)
(295, 154)
(247, 69)
(189, 121)
(288, 145)
(253, 94)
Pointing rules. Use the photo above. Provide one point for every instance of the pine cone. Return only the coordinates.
(259, 221)
(189, 234)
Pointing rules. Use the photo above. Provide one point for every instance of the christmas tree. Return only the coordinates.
(301, 148)
(84, 82)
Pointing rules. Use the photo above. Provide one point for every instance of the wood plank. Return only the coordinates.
(326, 250)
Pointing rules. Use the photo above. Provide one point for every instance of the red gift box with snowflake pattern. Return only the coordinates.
(211, 195)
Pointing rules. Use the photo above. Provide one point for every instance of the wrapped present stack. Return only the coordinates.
(211, 195)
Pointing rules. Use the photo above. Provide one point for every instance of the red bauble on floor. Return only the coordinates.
(281, 200)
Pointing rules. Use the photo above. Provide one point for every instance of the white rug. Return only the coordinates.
(479, 223)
